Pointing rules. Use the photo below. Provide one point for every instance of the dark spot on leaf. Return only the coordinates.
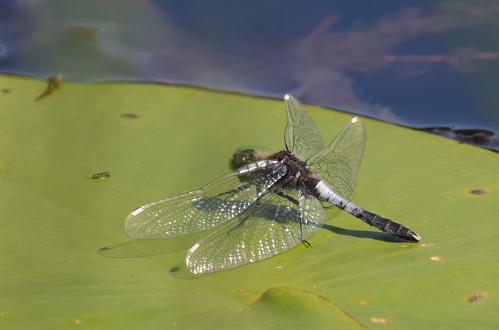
(101, 175)
(478, 191)
(6, 90)
(322, 298)
(477, 296)
(105, 248)
(174, 269)
(130, 115)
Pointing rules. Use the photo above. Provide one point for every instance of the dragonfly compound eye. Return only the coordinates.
(242, 157)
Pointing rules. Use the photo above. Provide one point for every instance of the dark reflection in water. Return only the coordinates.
(478, 137)
(419, 63)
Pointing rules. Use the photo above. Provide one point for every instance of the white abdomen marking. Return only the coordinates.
(256, 165)
(326, 193)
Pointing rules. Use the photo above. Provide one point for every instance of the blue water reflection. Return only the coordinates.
(411, 62)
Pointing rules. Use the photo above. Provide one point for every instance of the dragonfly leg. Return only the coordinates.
(236, 190)
(296, 202)
(242, 222)
(285, 196)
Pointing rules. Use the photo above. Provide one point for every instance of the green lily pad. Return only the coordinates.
(145, 142)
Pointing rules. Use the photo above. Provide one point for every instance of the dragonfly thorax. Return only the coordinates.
(298, 170)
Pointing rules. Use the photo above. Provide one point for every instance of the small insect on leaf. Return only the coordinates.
(53, 83)
(101, 175)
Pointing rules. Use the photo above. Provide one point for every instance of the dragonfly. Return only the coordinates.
(268, 204)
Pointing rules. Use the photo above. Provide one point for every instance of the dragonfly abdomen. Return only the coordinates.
(326, 193)
(387, 225)
(372, 219)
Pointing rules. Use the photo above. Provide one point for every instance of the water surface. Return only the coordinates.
(419, 63)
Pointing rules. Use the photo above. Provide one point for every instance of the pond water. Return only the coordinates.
(417, 63)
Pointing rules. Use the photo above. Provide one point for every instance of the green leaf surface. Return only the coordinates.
(157, 141)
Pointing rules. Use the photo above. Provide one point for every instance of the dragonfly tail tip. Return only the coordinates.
(416, 237)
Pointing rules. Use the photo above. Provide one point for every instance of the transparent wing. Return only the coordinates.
(202, 209)
(339, 162)
(279, 220)
(302, 137)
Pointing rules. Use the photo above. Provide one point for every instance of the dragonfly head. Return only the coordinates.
(247, 155)
(242, 157)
